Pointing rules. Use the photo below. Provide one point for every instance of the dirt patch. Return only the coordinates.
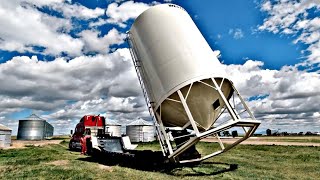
(105, 167)
(23, 144)
(59, 163)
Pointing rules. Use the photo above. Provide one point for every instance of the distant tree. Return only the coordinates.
(284, 133)
(300, 133)
(226, 133)
(268, 131)
(234, 133)
(309, 133)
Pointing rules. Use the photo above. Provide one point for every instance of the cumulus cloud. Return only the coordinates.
(94, 43)
(295, 18)
(108, 84)
(97, 23)
(66, 88)
(77, 10)
(279, 96)
(81, 78)
(71, 88)
(236, 33)
(120, 14)
(24, 25)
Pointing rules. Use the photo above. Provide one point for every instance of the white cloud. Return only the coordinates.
(236, 33)
(119, 14)
(293, 17)
(289, 95)
(99, 22)
(94, 43)
(77, 10)
(81, 78)
(69, 89)
(108, 84)
(43, 3)
(73, 86)
(24, 26)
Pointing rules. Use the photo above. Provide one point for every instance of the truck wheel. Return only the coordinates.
(72, 145)
(89, 146)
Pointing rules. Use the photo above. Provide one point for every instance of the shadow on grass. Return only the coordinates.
(204, 169)
(147, 160)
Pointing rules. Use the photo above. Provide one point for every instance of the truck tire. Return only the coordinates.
(89, 146)
(72, 145)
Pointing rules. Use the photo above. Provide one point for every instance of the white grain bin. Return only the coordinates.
(184, 84)
(34, 128)
(175, 56)
(113, 128)
(140, 131)
(5, 136)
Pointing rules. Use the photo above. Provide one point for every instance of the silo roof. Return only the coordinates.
(140, 122)
(112, 123)
(33, 117)
(4, 128)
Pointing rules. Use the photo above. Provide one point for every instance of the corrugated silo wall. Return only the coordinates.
(31, 130)
(114, 130)
(48, 130)
(141, 133)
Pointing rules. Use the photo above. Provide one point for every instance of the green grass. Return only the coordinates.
(254, 162)
(303, 139)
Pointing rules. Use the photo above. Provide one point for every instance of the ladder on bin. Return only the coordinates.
(144, 84)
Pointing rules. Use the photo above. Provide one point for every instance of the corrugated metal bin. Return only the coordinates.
(5, 136)
(141, 131)
(34, 128)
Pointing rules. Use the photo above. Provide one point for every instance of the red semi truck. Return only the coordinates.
(88, 123)
(91, 130)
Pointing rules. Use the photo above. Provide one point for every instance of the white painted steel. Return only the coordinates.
(173, 56)
(5, 138)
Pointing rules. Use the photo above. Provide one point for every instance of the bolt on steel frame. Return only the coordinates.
(249, 125)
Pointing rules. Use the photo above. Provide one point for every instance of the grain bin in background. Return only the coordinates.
(185, 86)
(34, 128)
(140, 131)
(113, 128)
(5, 136)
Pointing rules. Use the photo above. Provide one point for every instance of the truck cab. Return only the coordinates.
(88, 123)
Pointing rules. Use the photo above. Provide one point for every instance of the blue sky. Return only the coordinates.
(63, 59)
(217, 18)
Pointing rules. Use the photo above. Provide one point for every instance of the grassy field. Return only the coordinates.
(253, 162)
(304, 139)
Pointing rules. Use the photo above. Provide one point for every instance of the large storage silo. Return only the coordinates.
(5, 136)
(175, 56)
(185, 86)
(140, 131)
(34, 128)
(113, 128)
